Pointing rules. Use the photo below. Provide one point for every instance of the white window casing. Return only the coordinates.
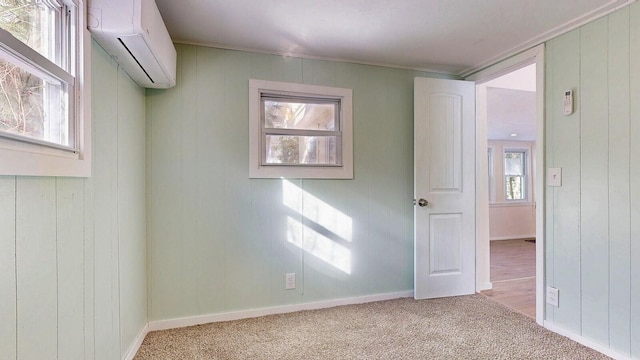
(68, 70)
(338, 165)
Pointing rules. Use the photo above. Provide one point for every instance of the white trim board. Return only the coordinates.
(572, 24)
(244, 314)
(512, 237)
(133, 350)
(484, 286)
(586, 342)
(532, 56)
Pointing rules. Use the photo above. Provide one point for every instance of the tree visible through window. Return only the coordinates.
(301, 131)
(514, 175)
(34, 102)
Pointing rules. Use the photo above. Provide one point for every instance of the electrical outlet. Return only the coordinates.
(553, 296)
(289, 281)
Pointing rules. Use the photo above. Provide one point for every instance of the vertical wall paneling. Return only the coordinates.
(104, 127)
(385, 252)
(131, 210)
(165, 199)
(268, 274)
(619, 206)
(241, 262)
(64, 241)
(70, 265)
(88, 271)
(37, 293)
(594, 197)
(399, 95)
(188, 202)
(566, 154)
(552, 108)
(8, 267)
(209, 182)
(351, 197)
(250, 232)
(115, 214)
(591, 252)
(148, 189)
(634, 175)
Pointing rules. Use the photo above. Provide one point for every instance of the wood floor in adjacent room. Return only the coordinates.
(513, 275)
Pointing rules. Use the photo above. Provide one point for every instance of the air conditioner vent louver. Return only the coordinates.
(132, 31)
(137, 62)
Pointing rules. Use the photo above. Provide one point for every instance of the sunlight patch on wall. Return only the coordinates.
(320, 227)
(318, 245)
(317, 210)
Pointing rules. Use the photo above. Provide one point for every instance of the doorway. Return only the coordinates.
(511, 141)
(509, 181)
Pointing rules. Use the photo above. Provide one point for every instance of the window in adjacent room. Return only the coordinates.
(42, 128)
(490, 173)
(515, 176)
(300, 131)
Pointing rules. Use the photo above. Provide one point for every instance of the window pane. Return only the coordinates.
(301, 150)
(299, 116)
(514, 163)
(31, 106)
(514, 187)
(35, 23)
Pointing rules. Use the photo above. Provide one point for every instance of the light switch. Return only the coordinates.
(554, 177)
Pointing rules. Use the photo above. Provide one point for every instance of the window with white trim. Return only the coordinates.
(43, 126)
(490, 172)
(515, 175)
(300, 131)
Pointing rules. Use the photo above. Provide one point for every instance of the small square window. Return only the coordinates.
(300, 131)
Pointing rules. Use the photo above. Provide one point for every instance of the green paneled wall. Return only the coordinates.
(72, 250)
(592, 251)
(76, 269)
(219, 241)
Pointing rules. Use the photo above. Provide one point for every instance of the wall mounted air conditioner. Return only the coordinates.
(132, 31)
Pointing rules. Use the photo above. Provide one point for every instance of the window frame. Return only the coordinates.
(33, 157)
(525, 174)
(257, 134)
(274, 131)
(491, 150)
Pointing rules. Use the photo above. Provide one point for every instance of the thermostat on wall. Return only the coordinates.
(568, 102)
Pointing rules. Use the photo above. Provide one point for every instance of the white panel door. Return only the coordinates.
(444, 155)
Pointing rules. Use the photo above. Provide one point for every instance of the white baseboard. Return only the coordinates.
(586, 342)
(484, 286)
(513, 237)
(237, 315)
(136, 344)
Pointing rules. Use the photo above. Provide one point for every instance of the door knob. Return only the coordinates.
(423, 203)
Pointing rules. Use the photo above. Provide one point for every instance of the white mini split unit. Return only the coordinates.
(132, 31)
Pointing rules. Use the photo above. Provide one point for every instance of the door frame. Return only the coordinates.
(531, 56)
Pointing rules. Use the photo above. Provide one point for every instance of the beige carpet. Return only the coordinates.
(469, 327)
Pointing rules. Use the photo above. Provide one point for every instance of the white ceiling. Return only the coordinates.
(511, 112)
(511, 105)
(449, 36)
